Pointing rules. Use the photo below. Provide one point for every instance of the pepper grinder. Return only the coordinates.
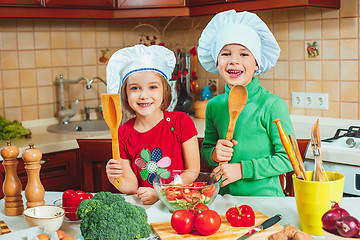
(34, 191)
(12, 186)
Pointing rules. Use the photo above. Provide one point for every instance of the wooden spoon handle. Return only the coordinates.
(298, 155)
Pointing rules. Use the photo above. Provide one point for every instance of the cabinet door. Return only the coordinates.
(204, 2)
(21, 3)
(150, 3)
(104, 4)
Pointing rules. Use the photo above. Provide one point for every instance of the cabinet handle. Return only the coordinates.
(43, 161)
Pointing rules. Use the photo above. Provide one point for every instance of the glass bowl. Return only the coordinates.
(68, 211)
(178, 189)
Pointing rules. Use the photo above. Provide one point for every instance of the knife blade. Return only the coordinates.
(266, 224)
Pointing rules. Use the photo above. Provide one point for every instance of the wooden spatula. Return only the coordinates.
(111, 106)
(316, 146)
(237, 100)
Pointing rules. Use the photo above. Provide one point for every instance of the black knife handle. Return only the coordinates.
(271, 221)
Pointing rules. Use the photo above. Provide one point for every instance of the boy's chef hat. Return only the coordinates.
(243, 28)
(138, 58)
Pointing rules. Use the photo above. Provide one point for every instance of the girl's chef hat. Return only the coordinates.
(243, 28)
(138, 58)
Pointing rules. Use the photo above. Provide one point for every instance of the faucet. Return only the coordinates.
(66, 114)
(88, 86)
(87, 112)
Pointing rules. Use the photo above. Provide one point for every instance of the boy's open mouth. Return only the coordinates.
(234, 73)
(144, 105)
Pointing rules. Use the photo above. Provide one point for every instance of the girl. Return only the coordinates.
(239, 46)
(154, 141)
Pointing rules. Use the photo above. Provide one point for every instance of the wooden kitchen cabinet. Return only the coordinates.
(102, 4)
(59, 171)
(150, 3)
(21, 3)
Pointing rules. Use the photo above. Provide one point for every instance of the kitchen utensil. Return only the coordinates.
(47, 216)
(298, 155)
(268, 223)
(289, 151)
(226, 231)
(111, 105)
(4, 228)
(316, 146)
(237, 100)
(313, 199)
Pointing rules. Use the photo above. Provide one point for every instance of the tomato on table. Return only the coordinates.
(208, 222)
(198, 208)
(182, 221)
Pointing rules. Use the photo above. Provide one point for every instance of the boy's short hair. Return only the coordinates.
(166, 95)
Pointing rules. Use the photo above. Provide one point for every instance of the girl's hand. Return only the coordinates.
(147, 195)
(114, 170)
(223, 150)
(230, 172)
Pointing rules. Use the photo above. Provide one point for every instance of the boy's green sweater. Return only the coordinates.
(259, 147)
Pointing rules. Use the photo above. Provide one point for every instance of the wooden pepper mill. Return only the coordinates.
(34, 191)
(12, 186)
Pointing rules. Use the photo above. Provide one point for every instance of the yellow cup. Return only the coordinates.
(313, 199)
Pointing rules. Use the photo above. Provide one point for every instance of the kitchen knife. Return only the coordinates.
(268, 223)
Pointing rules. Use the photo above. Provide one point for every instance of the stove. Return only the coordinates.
(341, 153)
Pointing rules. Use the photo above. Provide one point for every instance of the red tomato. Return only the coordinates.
(208, 222)
(200, 207)
(182, 221)
(173, 193)
(209, 191)
(189, 195)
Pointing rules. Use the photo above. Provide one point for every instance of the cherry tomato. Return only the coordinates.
(209, 191)
(189, 195)
(182, 221)
(198, 208)
(208, 222)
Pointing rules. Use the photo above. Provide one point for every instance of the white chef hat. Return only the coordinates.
(243, 28)
(138, 58)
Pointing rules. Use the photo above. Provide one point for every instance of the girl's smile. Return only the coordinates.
(236, 65)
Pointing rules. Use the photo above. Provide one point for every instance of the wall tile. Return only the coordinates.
(349, 49)
(348, 27)
(102, 39)
(7, 25)
(88, 39)
(349, 8)
(281, 70)
(43, 58)
(313, 86)
(73, 39)
(13, 113)
(116, 39)
(281, 31)
(8, 40)
(297, 30)
(72, 25)
(25, 25)
(312, 29)
(58, 40)
(25, 40)
(11, 79)
(281, 88)
(57, 25)
(297, 50)
(89, 56)
(333, 111)
(46, 111)
(11, 98)
(349, 70)
(1, 104)
(42, 25)
(28, 78)
(349, 110)
(313, 70)
(42, 40)
(333, 89)
(74, 57)
(330, 49)
(26, 59)
(296, 86)
(280, 16)
(349, 92)
(312, 13)
(44, 77)
(284, 54)
(297, 70)
(46, 94)
(330, 28)
(87, 25)
(29, 96)
(297, 14)
(330, 13)
(30, 113)
(331, 70)
(58, 58)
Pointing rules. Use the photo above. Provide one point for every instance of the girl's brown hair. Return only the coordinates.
(166, 95)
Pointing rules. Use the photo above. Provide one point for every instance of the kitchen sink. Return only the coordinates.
(87, 127)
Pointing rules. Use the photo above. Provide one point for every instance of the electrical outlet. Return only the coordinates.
(213, 85)
(310, 100)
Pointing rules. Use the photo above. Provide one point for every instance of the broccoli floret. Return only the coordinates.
(108, 216)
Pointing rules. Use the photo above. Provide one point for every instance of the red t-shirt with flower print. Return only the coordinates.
(157, 150)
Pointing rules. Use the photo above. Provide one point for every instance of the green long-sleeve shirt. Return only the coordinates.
(259, 147)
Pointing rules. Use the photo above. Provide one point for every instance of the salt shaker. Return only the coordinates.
(34, 191)
(12, 186)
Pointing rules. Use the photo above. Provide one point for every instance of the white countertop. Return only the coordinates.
(286, 206)
(48, 142)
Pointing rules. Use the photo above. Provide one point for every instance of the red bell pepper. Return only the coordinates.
(243, 216)
(71, 200)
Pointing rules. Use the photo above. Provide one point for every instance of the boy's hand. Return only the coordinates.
(230, 172)
(114, 170)
(147, 195)
(223, 150)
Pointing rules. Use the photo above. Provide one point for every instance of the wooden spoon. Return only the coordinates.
(111, 106)
(237, 100)
(298, 155)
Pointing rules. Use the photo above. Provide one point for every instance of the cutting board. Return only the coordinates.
(226, 231)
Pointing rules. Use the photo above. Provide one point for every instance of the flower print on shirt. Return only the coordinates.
(153, 164)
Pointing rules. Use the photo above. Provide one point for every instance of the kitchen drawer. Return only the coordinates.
(59, 171)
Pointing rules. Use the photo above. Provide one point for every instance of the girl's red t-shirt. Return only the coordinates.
(158, 150)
